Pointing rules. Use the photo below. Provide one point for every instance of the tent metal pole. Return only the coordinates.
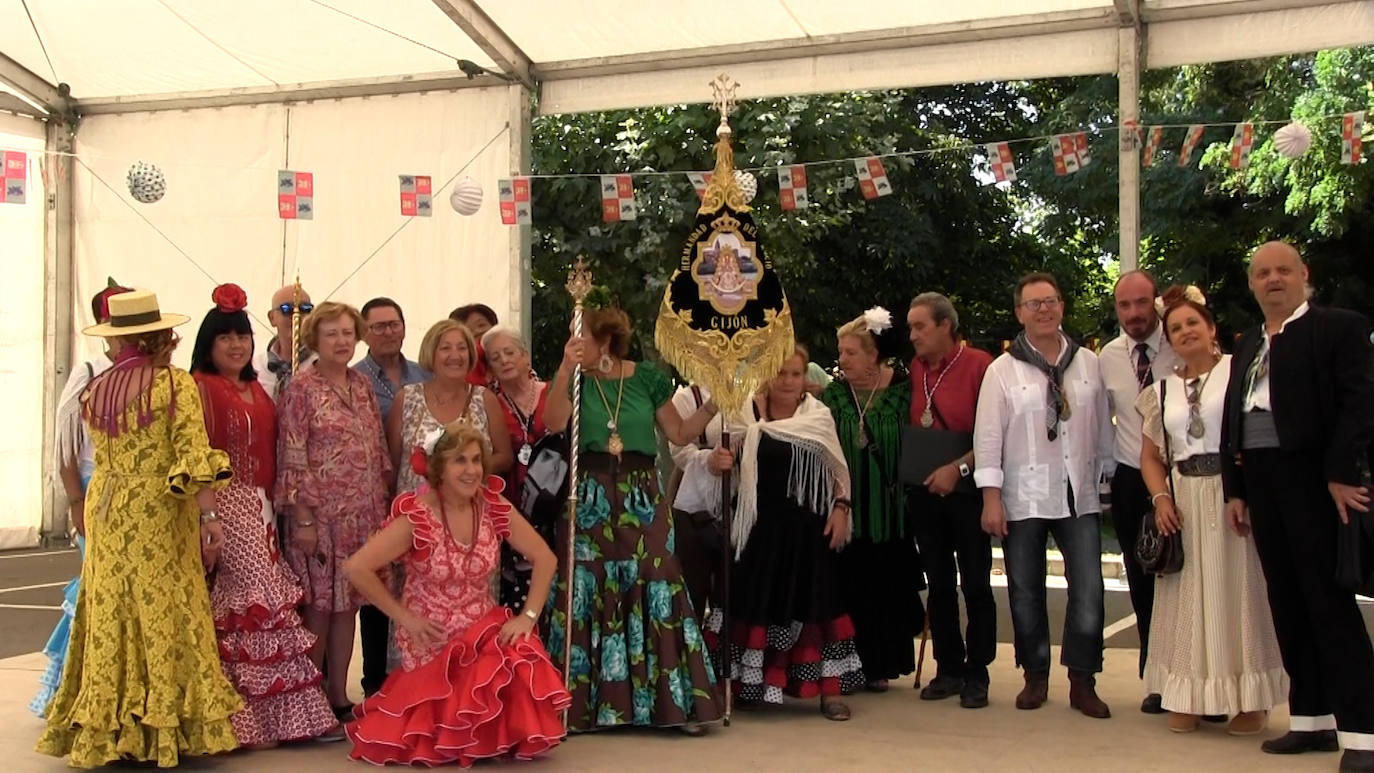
(1128, 177)
(59, 307)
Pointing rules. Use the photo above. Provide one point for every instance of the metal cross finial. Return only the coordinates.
(579, 281)
(723, 94)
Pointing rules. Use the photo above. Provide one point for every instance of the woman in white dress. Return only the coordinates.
(1212, 645)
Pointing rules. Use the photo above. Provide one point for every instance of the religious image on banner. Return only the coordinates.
(725, 323)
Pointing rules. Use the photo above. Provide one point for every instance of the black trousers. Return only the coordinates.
(699, 545)
(957, 552)
(1130, 506)
(374, 629)
(1322, 636)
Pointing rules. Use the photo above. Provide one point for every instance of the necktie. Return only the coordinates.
(1143, 375)
(1259, 368)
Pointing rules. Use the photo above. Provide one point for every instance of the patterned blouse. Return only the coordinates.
(417, 421)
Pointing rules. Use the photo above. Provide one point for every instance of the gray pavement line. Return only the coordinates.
(30, 606)
(1120, 625)
(35, 587)
(7, 556)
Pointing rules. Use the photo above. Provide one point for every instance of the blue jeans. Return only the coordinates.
(1080, 540)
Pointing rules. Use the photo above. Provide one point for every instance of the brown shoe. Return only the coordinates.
(1249, 723)
(1036, 691)
(1083, 695)
(1182, 723)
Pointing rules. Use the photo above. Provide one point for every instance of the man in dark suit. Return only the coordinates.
(1299, 415)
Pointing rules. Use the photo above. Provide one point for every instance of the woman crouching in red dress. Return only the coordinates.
(475, 681)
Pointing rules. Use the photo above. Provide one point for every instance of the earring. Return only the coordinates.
(605, 364)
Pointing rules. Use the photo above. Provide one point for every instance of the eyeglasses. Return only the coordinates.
(1036, 304)
(390, 326)
(304, 308)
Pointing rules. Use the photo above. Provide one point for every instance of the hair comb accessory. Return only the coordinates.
(1191, 293)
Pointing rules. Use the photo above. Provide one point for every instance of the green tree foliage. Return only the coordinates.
(945, 227)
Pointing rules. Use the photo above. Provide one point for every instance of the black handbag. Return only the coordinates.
(1157, 553)
(545, 492)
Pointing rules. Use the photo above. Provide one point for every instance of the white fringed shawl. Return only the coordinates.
(71, 444)
(818, 466)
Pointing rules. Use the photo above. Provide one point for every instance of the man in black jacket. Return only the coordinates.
(1299, 414)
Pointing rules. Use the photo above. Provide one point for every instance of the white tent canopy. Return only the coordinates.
(221, 95)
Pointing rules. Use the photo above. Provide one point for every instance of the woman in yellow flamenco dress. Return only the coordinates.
(142, 681)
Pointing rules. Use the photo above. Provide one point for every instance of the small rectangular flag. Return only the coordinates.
(1190, 143)
(1065, 151)
(1241, 142)
(792, 187)
(872, 177)
(295, 195)
(15, 176)
(699, 181)
(416, 195)
(1352, 132)
(1080, 146)
(514, 196)
(1153, 135)
(617, 198)
(1001, 160)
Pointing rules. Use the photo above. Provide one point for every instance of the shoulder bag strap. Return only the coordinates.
(1168, 454)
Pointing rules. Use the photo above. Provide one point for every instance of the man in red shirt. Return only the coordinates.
(947, 508)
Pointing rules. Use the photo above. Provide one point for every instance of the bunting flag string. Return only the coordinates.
(1352, 129)
(1153, 136)
(514, 197)
(15, 177)
(792, 187)
(417, 199)
(1190, 143)
(1241, 142)
(699, 181)
(1065, 152)
(1002, 161)
(872, 177)
(617, 198)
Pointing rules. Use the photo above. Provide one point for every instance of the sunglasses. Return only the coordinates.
(304, 308)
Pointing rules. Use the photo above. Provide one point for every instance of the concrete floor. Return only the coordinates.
(893, 731)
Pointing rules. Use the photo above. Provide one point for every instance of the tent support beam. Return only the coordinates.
(493, 41)
(58, 308)
(32, 86)
(1128, 175)
(519, 256)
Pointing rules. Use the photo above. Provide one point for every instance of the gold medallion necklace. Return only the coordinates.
(615, 445)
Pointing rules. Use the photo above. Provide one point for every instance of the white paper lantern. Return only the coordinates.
(146, 182)
(1293, 140)
(747, 185)
(466, 197)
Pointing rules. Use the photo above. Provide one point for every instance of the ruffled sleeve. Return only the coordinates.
(497, 508)
(1152, 420)
(656, 383)
(195, 463)
(425, 531)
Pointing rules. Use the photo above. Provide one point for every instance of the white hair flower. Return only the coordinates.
(431, 440)
(1191, 292)
(877, 320)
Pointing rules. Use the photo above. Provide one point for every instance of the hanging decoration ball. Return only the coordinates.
(466, 197)
(1293, 140)
(146, 182)
(747, 185)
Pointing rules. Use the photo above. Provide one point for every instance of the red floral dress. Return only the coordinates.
(332, 458)
(468, 698)
(264, 649)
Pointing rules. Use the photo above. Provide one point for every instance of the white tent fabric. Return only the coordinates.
(21, 344)
(220, 206)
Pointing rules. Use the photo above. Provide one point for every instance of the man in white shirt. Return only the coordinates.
(1132, 361)
(1042, 439)
(696, 501)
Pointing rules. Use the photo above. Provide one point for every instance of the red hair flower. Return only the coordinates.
(419, 461)
(229, 298)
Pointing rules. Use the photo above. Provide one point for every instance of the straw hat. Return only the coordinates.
(135, 312)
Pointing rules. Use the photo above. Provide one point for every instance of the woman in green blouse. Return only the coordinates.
(871, 402)
(637, 651)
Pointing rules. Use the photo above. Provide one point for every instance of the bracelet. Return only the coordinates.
(844, 502)
(208, 516)
(1156, 497)
(303, 524)
(531, 614)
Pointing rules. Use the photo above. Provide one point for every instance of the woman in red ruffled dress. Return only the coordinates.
(263, 647)
(475, 681)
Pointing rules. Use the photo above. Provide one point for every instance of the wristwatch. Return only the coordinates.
(964, 471)
(531, 614)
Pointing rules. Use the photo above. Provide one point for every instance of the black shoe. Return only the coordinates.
(1357, 761)
(1297, 742)
(974, 695)
(943, 686)
(1153, 704)
(1215, 718)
